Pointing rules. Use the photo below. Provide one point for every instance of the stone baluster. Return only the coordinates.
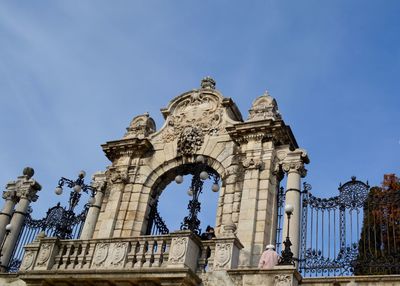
(26, 189)
(158, 253)
(99, 183)
(88, 255)
(59, 259)
(149, 254)
(81, 255)
(140, 254)
(294, 167)
(71, 251)
(131, 256)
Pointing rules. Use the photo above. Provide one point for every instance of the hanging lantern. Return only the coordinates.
(179, 179)
(58, 191)
(200, 159)
(204, 175)
(77, 188)
(215, 188)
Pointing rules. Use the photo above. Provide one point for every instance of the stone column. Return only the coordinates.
(99, 182)
(247, 225)
(108, 218)
(10, 200)
(26, 189)
(294, 167)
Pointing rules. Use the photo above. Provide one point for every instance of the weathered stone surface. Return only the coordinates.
(245, 154)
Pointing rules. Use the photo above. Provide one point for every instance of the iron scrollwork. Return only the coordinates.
(328, 226)
(198, 170)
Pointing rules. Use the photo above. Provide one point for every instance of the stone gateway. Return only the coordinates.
(202, 128)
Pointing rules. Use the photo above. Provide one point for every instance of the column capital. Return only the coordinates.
(23, 187)
(297, 167)
(99, 181)
(27, 188)
(10, 195)
(294, 161)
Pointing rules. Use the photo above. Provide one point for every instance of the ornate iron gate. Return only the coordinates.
(279, 223)
(330, 230)
(56, 221)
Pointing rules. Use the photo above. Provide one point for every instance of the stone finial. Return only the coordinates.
(208, 82)
(141, 127)
(264, 107)
(29, 172)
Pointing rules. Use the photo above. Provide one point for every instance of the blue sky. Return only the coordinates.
(74, 73)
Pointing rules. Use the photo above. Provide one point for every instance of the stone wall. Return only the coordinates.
(259, 278)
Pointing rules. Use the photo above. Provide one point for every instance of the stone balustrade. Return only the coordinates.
(181, 250)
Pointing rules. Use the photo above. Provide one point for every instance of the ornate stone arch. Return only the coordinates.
(164, 174)
(245, 154)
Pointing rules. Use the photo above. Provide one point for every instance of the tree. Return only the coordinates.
(379, 246)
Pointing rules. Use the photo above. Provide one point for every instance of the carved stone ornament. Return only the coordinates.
(223, 254)
(119, 253)
(99, 185)
(264, 107)
(140, 127)
(197, 110)
(283, 280)
(24, 187)
(119, 177)
(10, 195)
(44, 254)
(190, 140)
(252, 163)
(295, 167)
(28, 260)
(281, 155)
(178, 249)
(208, 82)
(100, 254)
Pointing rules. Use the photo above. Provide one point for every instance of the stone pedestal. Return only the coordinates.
(184, 251)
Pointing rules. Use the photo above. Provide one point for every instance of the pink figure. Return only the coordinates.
(269, 258)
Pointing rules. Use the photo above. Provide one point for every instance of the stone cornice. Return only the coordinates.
(266, 130)
(131, 147)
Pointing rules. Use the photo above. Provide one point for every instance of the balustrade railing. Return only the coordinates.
(137, 253)
(180, 249)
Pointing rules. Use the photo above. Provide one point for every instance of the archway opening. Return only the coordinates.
(185, 198)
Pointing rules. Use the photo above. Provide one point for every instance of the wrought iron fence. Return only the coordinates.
(279, 223)
(56, 220)
(330, 230)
